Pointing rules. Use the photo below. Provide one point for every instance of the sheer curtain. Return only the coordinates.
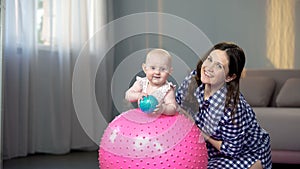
(39, 114)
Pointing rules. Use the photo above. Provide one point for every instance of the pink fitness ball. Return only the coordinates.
(138, 140)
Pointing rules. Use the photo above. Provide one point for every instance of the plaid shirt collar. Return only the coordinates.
(217, 99)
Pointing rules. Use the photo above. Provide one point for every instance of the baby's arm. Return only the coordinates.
(134, 93)
(169, 106)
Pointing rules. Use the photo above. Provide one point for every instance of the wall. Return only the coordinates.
(240, 21)
(2, 2)
(297, 36)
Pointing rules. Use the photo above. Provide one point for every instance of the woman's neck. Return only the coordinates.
(209, 90)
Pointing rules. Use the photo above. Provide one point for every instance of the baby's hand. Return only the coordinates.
(159, 109)
(142, 95)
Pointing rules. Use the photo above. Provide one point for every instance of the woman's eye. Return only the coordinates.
(219, 66)
(209, 59)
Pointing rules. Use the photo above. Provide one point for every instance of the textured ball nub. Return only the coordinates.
(148, 104)
(135, 140)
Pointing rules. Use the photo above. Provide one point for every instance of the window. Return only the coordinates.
(46, 22)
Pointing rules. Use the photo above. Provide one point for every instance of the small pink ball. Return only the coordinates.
(138, 140)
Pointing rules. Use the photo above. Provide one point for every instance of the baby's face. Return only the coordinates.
(157, 69)
(159, 62)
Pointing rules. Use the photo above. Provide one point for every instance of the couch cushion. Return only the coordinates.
(257, 90)
(289, 94)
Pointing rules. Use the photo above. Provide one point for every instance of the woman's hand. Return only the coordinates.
(216, 143)
(205, 136)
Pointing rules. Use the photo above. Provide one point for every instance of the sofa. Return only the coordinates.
(275, 97)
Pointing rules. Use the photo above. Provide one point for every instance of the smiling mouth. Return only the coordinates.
(207, 74)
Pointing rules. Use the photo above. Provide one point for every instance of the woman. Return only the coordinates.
(210, 94)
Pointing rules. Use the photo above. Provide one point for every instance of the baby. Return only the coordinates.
(158, 67)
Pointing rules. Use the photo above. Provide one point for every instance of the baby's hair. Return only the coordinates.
(160, 51)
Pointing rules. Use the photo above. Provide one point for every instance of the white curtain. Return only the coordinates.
(39, 114)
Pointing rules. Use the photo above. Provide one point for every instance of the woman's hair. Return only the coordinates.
(236, 58)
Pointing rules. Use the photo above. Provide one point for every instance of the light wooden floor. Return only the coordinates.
(74, 160)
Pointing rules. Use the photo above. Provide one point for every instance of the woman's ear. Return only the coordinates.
(230, 78)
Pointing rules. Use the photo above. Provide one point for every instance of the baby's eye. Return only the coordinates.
(152, 67)
(163, 69)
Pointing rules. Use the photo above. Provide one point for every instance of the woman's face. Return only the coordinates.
(215, 69)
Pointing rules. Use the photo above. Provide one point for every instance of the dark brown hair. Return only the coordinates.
(236, 58)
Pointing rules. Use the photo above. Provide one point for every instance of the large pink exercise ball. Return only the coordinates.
(138, 140)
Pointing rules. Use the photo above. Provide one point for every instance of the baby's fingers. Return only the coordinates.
(157, 109)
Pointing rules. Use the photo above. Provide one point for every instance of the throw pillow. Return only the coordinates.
(257, 90)
(289, 94)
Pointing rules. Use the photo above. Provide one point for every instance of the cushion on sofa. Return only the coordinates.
(257, 90)
(289, 94)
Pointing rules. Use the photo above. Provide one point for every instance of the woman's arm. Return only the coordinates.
(182, 90)
(233, 134)
(216, 143)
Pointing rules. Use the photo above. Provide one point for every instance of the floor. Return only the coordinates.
(74, 160)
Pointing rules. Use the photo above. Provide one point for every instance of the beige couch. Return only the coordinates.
(275, 98)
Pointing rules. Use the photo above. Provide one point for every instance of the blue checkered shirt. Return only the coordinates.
(243, 140)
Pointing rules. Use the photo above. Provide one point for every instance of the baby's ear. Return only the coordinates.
(144, 67)
(171, 70)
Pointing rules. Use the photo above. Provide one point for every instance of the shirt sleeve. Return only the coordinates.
(183, 88)
(233, 133)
